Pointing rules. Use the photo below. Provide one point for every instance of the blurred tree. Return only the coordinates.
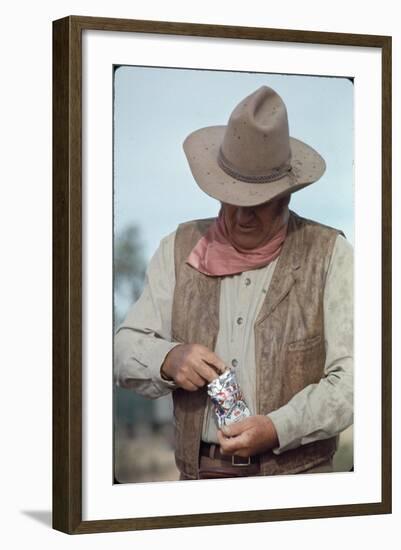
(129, 269)
(137, 421)
(129, 273)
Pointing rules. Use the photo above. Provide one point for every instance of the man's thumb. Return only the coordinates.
(232, 429)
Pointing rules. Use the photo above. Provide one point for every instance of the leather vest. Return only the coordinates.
(289, 337)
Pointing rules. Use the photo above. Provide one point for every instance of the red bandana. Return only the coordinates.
(215, 255)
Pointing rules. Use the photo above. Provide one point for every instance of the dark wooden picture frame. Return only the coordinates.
(67, 273)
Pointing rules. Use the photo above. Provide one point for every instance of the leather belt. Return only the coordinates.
(211, 450)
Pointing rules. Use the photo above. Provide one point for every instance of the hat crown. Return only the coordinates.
(256, 143)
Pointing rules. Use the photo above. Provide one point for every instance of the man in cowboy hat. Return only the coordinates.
(259, 289)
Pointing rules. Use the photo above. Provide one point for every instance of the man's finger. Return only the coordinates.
(231, 445)
(212, 359)
(187, 385)
(195, 379)
(207, 372)
(235, 429)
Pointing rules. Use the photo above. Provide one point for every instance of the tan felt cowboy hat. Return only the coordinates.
(253, 159)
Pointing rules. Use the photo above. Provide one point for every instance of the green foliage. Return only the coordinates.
(129, 263)
(129, 270)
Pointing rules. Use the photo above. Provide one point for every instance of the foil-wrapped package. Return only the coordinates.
(227, 399)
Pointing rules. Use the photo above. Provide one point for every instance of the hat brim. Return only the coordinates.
(201, 148)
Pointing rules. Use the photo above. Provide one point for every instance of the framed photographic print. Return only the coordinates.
(222, 274)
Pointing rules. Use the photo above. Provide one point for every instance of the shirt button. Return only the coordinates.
(247, 281)
(239, 320)
(234, 363)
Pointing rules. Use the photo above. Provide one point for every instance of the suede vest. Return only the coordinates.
(289, 337)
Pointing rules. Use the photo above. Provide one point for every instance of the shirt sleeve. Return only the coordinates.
(325, 409)
(143, 339)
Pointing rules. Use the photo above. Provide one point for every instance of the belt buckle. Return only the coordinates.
(234, 463)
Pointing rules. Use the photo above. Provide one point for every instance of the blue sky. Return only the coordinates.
(156, 108)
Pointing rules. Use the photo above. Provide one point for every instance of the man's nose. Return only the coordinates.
(245, 214)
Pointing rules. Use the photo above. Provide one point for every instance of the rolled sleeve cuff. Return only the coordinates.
(160, 349)
(286, 425)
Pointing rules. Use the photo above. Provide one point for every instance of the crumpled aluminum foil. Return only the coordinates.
(228, 401)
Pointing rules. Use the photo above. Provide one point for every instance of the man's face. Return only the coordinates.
(252, 226)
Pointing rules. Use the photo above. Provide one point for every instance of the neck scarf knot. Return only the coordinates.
(215, 255)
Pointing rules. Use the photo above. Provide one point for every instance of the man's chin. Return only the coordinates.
(246, 242)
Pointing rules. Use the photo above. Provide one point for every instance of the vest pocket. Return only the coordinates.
(305, 362)
(301, 345)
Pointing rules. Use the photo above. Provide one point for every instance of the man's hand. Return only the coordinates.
(254, 435)
(191, 366)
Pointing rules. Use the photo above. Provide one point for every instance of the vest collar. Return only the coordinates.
(285, 272)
